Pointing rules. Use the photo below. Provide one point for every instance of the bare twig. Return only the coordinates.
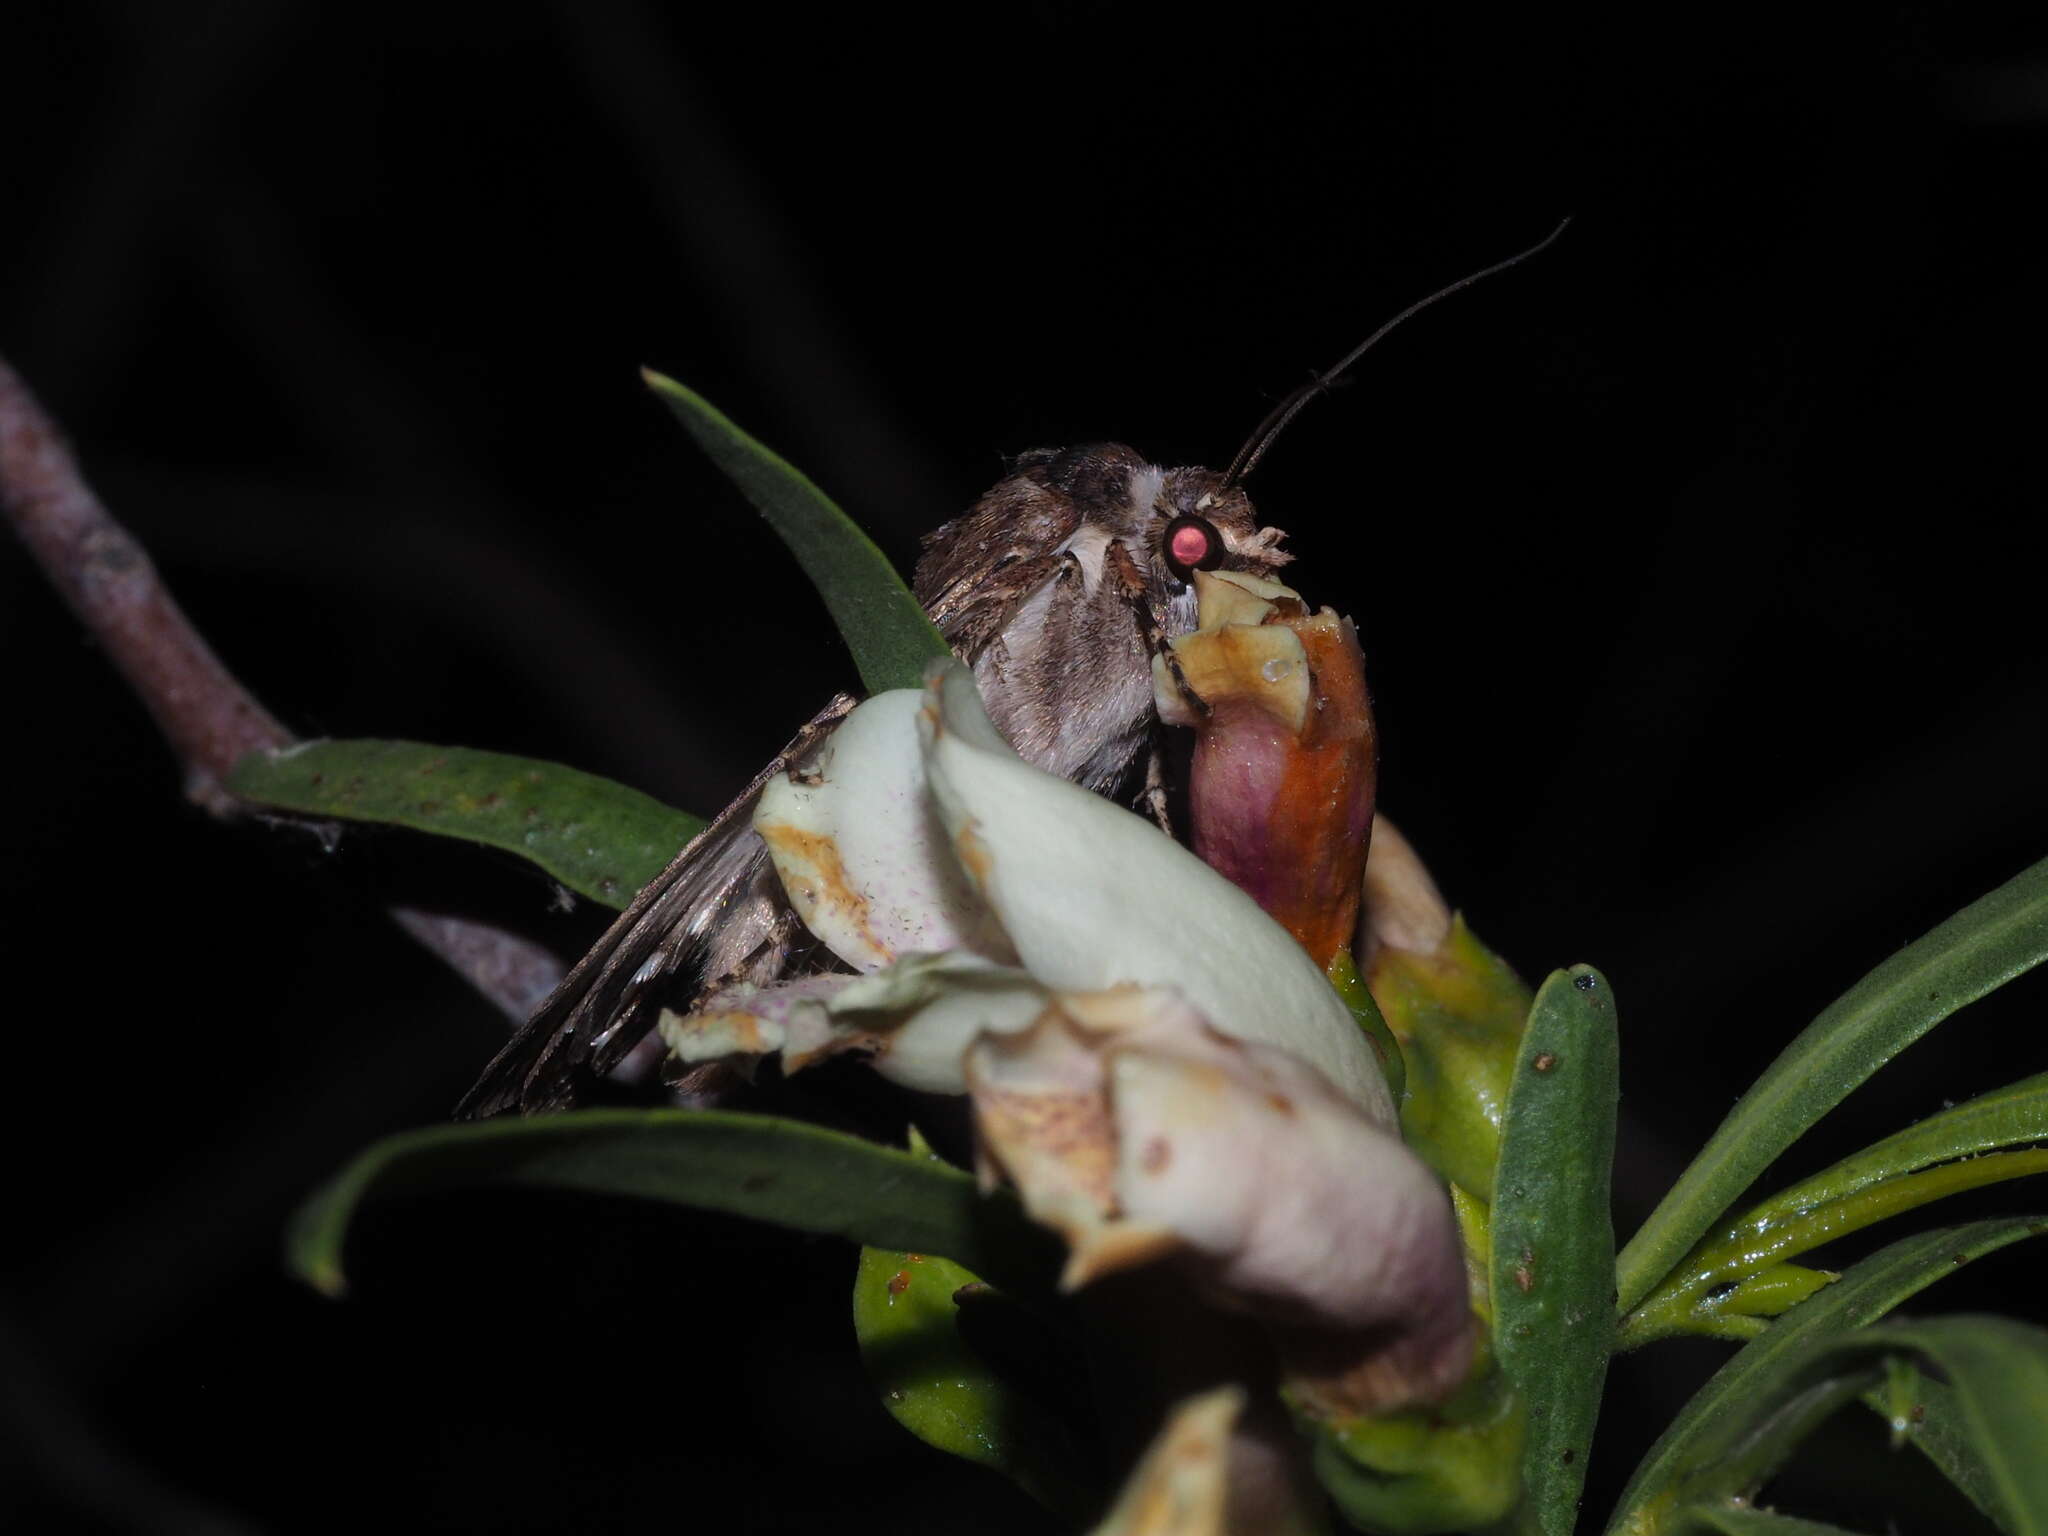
(515, 973)
(107, 578)
(209, 719)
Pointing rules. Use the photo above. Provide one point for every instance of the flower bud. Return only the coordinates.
(1280, 791)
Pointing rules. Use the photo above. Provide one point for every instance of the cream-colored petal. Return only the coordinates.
(1237, 597)
(924, 1011)
(1212, 662)
(1303, 1209)
(1181, 1488)
(786, 1019)
(1139, 1132)
(914, 1018)
(855, 840)
(1093, 896)
(1402, 907)
(1042, 1116)
(1244, 648)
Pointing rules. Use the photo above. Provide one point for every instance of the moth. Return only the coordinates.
(1057, 587)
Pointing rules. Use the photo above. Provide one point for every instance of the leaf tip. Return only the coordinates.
(312, 1251)
(317, 1266)
(669, 389)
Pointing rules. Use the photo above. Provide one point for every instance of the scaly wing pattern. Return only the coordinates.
(716, 910)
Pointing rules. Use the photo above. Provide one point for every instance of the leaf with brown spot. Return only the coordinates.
(906, 1314)
(1551, 1222)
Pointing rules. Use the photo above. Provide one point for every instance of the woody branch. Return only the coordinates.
(209, 719)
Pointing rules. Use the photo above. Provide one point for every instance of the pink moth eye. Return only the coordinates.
(1192, 544)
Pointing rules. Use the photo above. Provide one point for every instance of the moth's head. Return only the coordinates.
(1171, 522)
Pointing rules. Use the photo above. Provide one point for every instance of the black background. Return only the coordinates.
(1697, 565)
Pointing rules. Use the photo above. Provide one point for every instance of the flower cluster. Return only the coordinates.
(1158, 1066)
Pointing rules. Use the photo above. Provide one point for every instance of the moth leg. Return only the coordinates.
(1155, 785)
(1132, 587)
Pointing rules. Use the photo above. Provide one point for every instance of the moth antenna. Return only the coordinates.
(1277, 419)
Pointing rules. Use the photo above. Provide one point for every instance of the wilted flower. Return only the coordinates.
(1160, 1068)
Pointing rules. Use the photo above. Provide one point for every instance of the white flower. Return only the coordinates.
(1157, 1065)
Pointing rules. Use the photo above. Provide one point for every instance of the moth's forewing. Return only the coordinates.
(716, 912)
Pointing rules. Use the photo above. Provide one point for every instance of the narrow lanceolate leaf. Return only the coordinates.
(906, 1314)
(2004, 1117)
(1997, 1371)
(1945, 1154)
(1931, 1420)
(1983, 946)
(881, 622)
(1552, 1274)
(779, 1171)
(1713, 1445)
(600, 839)
(1697, 1298)
(1760, 1522)
(1343, 973)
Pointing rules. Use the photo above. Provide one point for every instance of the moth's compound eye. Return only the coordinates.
(1191, 544)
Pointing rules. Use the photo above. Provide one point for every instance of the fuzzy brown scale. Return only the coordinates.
(1058, 586)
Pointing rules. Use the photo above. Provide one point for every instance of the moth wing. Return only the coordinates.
(717, 909)
(979, 569)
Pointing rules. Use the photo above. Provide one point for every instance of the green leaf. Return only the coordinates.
(1451, 1466)
(1985, 945)
(779, 1171)
(1932, 1422)
(1997, 1372)
(1343, 973)
(1774, 1289)
(2004, 1117)
(1456, 1014)
(1896, 1175)
(1998, 1375)
(886, 628)
(600, 839)
(906, 1310)
(1757, 1522)
(1714, 1437)
(1692, 1299)
(1552, 1274)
